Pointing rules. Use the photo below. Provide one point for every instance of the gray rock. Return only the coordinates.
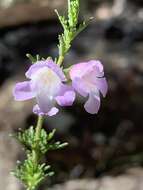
(12, 115)
(13, 12)
(132, 180)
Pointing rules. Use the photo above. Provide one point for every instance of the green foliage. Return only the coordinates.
(28, 139)
(31, 172)
(36, 58)
(33, 59)
(70, 26)
(73, 12)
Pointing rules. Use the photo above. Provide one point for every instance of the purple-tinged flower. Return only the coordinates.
(46, 85)
(88, 80)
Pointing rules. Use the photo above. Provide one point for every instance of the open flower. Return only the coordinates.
(88, 80)
(46, 85)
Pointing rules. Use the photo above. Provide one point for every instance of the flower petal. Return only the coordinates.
(81, 69)
(22, 91)
(37, 110)
(46, 84)
(53, 111)
(101, 84)
(47, 63)
(93, 104)
(79, 85)
(98, 67)
(45, 103)
(78, 70)
(66, 95)
(67, 99)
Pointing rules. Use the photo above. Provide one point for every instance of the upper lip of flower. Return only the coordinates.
(48, 80)
(47, 63)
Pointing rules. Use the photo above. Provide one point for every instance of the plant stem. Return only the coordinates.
(60, 60)
(38, 127)
(35, 152)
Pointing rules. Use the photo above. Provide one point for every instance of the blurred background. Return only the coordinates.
(106, 150)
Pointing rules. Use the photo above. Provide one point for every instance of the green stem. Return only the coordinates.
(38, 128)
(35, 152)
(60, 60)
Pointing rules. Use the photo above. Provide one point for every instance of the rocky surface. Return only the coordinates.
(132, 180)
(9, 151)
(21, 12)
(12, 3)
(12, 116)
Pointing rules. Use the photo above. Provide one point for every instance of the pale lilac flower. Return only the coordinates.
(88, 80)
(46, 85)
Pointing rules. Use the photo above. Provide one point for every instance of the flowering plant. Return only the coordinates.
(51, 87)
